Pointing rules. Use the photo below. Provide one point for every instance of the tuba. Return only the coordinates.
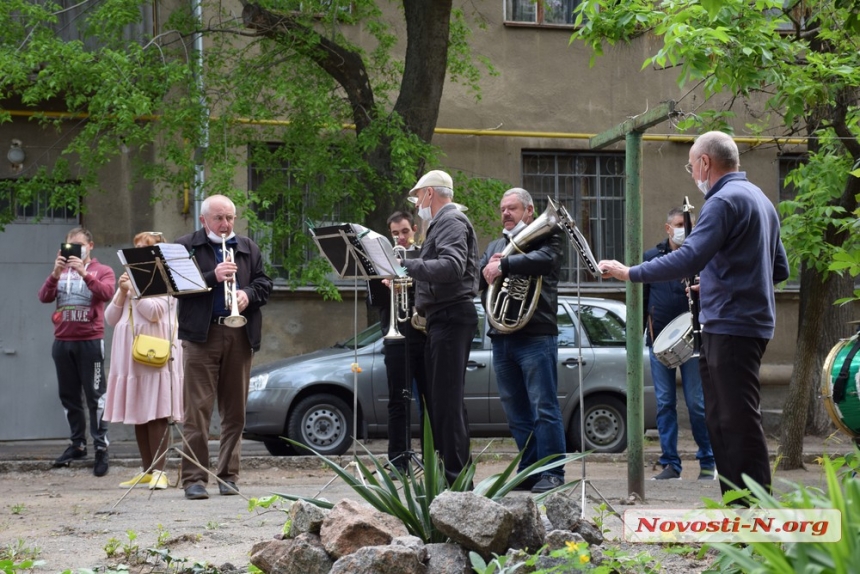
(512, 301)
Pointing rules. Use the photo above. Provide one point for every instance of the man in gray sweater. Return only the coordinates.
(736, 250)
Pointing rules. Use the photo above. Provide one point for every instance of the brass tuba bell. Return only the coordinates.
(512, 301)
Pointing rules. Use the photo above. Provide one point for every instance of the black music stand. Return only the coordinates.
(153, 274)
(356, 252)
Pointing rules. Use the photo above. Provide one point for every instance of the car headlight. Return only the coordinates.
(258, 382)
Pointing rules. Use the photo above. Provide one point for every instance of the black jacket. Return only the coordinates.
(543, 258)
(447, 271)
(664, 300)
(195, 310)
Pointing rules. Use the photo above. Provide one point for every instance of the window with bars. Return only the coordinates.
(591, 187)
(37, 210)
(286, 204)
(787, 163)
(541, 12)
(71, 23)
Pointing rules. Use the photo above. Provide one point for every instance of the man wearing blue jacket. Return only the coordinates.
(736, 251)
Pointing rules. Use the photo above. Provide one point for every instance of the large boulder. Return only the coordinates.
(473, 521)
(350, 526)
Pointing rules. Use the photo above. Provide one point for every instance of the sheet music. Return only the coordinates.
(184, 272)
(380, 251)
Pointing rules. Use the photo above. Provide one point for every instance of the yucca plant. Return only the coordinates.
(842, 557)
(411, 502)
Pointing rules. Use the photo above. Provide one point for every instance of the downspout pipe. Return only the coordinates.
(199, 153)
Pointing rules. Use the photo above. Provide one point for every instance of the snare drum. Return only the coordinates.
(839, 386)
(674, 345)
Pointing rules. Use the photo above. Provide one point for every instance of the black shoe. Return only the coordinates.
(228, 489)
(71, 453)
(708, 474)
(196, 492)
(100, 468)
(528, 483)
(546, 483)
(668, 473)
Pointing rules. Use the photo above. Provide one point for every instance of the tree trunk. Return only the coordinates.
(821, 326)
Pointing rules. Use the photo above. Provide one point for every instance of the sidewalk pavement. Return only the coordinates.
(39, 454)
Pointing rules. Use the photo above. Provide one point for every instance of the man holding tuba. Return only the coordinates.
(217, 345)
(526, 260)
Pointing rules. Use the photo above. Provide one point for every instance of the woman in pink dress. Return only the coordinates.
(141, 395)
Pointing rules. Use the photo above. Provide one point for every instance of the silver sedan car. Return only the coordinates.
(309, 398)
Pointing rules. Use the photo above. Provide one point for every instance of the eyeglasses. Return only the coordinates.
(689, 167)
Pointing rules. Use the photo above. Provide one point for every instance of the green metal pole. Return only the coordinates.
(633, 255)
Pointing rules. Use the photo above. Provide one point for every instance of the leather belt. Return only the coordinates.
(218, 320)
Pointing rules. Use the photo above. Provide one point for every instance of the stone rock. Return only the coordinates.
(413, 543)
(447, 559)
(304, 554)
(265, 554)
(473, 521)
(305, 517)
(379, 560)
(556, 539)
(528, 530)
(350, 526)
(562, 511)
(590, 532)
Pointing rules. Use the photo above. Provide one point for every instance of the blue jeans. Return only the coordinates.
(667, 415)
(527, 377)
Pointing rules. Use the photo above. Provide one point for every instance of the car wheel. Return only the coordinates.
(605, 425)
(323, 422)
(279, 447)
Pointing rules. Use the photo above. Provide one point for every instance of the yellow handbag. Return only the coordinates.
(146, 349)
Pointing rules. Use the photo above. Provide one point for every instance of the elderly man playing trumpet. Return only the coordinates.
(217, 345)
(447, 281)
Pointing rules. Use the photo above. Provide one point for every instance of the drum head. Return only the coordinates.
(845, 413)
(673, 332)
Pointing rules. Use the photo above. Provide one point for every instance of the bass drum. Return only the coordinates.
(674, 345)
(839, 386)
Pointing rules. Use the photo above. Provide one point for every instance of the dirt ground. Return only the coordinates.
(70, 519)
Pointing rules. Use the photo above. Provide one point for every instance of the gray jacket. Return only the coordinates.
(447, 272)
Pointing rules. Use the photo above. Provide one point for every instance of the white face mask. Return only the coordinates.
(516, 229)
(425, 213)
(214, 237)
(704, 186)
(678, 236)
(83, 252)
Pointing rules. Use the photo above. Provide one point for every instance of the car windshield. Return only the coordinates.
(366, 337)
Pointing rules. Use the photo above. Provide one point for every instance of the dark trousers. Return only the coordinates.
(404, 362)
(449, 338)
(80, 375)
(217, 370)
(729, 366)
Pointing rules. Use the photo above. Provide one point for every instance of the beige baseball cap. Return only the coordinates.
(435, 178)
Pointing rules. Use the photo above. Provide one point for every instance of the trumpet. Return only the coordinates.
(235, 319)
(399, 305)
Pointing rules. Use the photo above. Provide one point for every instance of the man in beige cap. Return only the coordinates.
(447, 281)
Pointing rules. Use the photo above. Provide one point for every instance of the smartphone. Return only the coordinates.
(69, 249)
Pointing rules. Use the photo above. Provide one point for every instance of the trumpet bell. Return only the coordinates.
(235, 321)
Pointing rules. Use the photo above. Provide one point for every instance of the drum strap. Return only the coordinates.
(842, 379)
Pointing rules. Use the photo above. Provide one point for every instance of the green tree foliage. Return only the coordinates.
(317, 100)
(795, 66)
